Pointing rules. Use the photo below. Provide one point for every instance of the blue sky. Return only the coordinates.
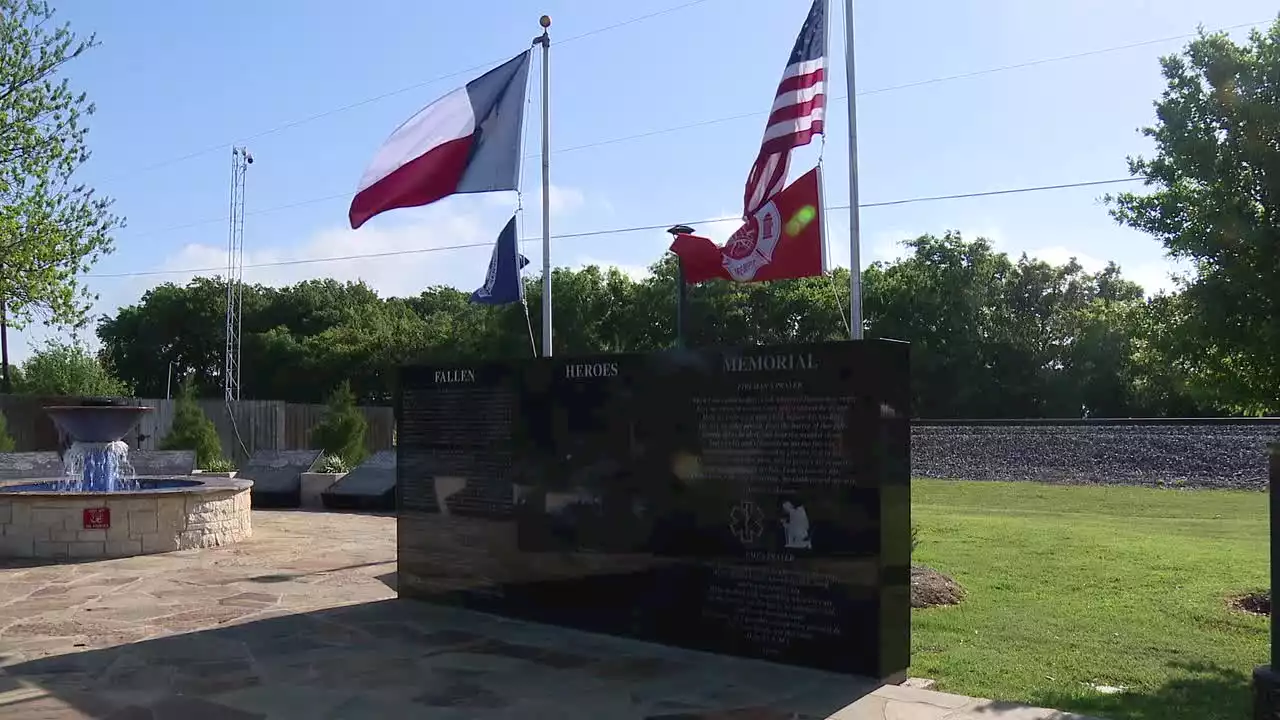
(314, 86)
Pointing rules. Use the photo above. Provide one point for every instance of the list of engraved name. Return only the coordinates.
(458, 433)
(770, 607)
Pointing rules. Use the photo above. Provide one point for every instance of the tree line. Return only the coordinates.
(992, 336)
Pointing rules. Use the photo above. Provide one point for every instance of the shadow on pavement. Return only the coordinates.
(397, 658)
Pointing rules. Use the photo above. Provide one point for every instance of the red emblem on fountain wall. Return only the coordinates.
(97, 518)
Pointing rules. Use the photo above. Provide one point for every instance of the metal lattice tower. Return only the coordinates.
(241, 159)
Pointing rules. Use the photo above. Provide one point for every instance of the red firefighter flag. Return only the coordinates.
(783, 239)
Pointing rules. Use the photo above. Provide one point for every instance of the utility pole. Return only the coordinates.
(6, 379)
(6, 382)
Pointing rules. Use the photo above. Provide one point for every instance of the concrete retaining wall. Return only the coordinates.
(47, 526)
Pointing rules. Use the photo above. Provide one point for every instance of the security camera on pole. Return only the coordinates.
(682, 291)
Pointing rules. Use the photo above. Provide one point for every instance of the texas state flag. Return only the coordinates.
(466, 142)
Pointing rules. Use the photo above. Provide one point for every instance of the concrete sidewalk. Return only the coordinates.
(303, 622)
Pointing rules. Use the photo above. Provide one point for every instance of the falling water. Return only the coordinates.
(98, 467)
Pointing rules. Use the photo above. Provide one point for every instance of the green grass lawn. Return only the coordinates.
(1072, 586)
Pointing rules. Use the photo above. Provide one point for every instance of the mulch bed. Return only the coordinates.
(1255, 603)
(930, 588)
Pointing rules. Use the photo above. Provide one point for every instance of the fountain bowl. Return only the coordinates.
(96, 423)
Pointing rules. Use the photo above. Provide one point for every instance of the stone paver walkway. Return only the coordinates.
(303, 622)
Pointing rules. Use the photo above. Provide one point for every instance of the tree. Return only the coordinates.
(68, 368)
(341, 432)
(182, 325)
(192, 429)
(1216, 203)
(945, 298)
(6, 442)
(991, 336)
(15, 378)
(51, 230)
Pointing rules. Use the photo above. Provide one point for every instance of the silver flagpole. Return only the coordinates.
(545, 41)
(855, 229)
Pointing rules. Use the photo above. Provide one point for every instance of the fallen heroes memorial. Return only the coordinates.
(749, 501)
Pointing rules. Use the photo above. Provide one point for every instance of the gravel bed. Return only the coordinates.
(1191, 456)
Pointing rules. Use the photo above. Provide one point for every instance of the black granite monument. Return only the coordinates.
(753, 501)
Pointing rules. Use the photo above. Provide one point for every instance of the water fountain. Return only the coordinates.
(100, 508)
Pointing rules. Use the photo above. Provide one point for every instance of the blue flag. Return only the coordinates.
(502, 284)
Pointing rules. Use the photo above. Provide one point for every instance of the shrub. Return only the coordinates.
(62, 368)
(192, 429)
(6, 442)
(341, 432)
(332, 464)
(219, 465)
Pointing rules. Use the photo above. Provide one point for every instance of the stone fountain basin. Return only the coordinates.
(38, 522)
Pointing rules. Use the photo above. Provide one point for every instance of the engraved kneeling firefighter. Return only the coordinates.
(795, 525)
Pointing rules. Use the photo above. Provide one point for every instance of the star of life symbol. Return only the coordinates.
(746, 522)
(752, 246)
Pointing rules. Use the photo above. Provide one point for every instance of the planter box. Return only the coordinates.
(314, 484)
(205, 473)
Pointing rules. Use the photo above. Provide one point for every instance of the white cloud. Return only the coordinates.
(456, 236)
(400, 253)
(635, 272)
(564, 200)
(1157, 276)
(1059, 255)
(885, 246)
(652, 245)
(388, 256)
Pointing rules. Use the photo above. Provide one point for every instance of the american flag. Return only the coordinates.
(798, 109)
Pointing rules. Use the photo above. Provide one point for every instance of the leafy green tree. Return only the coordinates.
(945, 298)
(991, 336)
(192, 429)
(68, 368)
(51, 228)
(182, 325)
(341, 433)
(6, 442)
(15, 378)
(994, 337)
(1215, 201)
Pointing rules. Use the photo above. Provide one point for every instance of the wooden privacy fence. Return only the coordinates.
(258, 424)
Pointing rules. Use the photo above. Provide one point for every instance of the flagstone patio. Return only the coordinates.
(302, 621)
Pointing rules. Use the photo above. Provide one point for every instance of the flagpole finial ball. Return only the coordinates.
(545, 21)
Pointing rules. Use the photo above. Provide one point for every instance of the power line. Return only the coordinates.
(677, 128)
(1059, 58)
(909, 85)
(392, 93)
(616, 231)
(659, 131)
